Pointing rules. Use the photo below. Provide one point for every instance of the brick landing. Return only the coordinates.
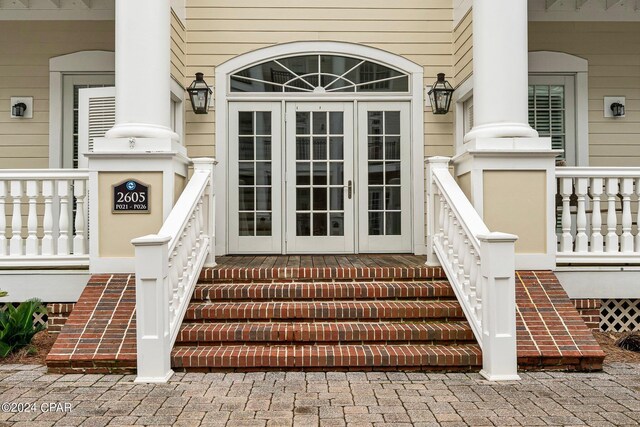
(99, 336)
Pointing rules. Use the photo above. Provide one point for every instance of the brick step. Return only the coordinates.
(323, 333)
(426, 357)
(362, 310)
(322, 291)
(260, 274)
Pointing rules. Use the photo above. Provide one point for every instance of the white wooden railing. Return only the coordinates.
(167, 268)
(599, 214)
(480, 266)
(43, 218)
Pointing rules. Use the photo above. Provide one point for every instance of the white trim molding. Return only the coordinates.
(557, 63)
(416, 96)
(84, 62)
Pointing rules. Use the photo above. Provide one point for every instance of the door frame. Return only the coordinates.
(415, 97)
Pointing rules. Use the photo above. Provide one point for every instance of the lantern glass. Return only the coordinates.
(200, 95)
(440, 95)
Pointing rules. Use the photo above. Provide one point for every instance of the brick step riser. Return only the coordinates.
(411, 341)
(215, 369)
(197, 300)
(316, 274)
(241, 294)
(326, 356)
(444, 319)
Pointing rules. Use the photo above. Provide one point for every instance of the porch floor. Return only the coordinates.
(100, 335)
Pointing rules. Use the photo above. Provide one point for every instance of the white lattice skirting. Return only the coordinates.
(620, 315)
(38, 318)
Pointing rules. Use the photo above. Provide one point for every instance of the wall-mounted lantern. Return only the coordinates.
(440, 95)
(21, 107)
(18, 110)
(200, 94)
(614, 106)
(617, 109)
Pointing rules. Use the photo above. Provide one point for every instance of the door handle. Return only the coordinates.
(349, 188)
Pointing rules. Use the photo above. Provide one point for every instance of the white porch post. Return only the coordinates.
(152, 309)
(498, 293)
(141, 146)
(511, 168)
(500, 70)
(143, 43)
(432, 204)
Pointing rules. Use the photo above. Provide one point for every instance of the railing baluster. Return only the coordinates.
(582, 241)
(566, 243)
(3, 218)
(47, 221)
(597, 242)
(15, 245)
(626, 239)
(637, 246)
(612, 220)
(79, 192)
(439, 237)
(63, 238)
(32, 219)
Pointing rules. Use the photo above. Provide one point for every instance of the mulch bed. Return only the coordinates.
(34, 354)
(613, 352)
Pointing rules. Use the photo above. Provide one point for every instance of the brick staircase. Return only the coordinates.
(325, 318)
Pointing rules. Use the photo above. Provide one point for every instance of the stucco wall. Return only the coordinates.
(24, 71)
(218, 30)
(613, 52)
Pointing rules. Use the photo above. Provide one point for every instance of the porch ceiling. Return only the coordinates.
(584, 10)
(57, 9)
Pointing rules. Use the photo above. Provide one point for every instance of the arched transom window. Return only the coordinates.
(319, 74)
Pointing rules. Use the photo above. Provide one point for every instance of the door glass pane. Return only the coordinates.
(254, 173)
(384, 170)
(319, 173)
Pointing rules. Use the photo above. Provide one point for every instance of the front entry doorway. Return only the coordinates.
(319, 177)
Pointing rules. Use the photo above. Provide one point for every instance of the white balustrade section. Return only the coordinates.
(167, 268)
(39, 224)
(598, 209)
(480, 266)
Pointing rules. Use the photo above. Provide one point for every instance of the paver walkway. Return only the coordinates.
(354, 399)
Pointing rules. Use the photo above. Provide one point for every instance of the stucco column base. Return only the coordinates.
(511, 183)
(161, 164)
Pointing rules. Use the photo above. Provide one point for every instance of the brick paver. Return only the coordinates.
(354, 399)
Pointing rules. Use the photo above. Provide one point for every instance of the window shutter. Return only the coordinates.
(467, 113)
(547, 113)
(96, 115)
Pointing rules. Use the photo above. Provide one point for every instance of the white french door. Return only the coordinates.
(384, 178)
(255, 178)
(334, 179)
(320, 189)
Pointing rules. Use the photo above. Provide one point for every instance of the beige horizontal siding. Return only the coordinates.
(419, 30)
(613, 52)
(463, 49)
(178, 49)
(25, 50)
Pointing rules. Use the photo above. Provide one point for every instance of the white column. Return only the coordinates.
(500, 70)
(142, 70)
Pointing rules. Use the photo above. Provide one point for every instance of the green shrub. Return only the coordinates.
(16, 325)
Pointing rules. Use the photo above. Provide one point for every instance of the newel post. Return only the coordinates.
(498, 296)
(152, 309)
(209, 214)
(433, 163)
